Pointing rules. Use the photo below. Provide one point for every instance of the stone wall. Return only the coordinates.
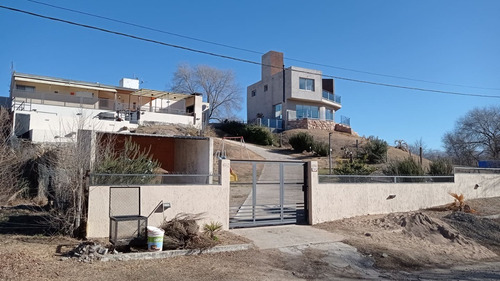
(311, 124)
(343, 128)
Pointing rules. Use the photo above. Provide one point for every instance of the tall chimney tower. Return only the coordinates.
(272, 63)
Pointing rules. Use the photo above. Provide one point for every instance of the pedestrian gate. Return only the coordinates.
(268, 193)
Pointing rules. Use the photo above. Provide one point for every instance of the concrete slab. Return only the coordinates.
(272, 237)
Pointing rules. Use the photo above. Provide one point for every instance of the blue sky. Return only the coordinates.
(450, 42)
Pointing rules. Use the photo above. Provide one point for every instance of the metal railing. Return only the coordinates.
(476, 170)
(38, 97)
(27, 97)
(345, 120)
(331, 97)
(270, 123)
(154, 179)
(383, 179)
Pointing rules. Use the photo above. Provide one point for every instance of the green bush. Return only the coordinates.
(131, 160)
(257, 135)
(251, 133)
(301, 141)
(407, 167)
(357, 167)
(233, 128)
(374, 151)
(320, 148)
(441, 167)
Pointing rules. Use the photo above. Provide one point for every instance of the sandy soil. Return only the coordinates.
(399, 244)
(426, 238)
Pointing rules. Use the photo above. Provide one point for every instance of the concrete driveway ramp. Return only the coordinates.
(272, 237)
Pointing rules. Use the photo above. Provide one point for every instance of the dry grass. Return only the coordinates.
(342, 142)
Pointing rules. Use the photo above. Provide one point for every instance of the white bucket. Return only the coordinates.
(155, 238)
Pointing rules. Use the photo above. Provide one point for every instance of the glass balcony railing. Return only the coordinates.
(331, 97)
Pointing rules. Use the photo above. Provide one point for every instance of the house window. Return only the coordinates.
(329, 114)
(306, 84)
(265, 88)
(278, 111)
(253, 93)
(25, 88)
(307, 111)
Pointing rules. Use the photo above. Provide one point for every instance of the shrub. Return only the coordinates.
(251, 133)
(357, 167)
(374, 151)
(257, 135)
(407, 167)
(233, 128)
(211, 229)
(131, 160)
(301, 141)
(320, 148)
(441, 167)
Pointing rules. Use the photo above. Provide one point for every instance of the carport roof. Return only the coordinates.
(159, 94)
(155, 135)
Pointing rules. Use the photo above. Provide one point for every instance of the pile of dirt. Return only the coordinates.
(409, 240)
(483, 230)
(422, 226)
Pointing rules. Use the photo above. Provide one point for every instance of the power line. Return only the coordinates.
(240, 59)
(253, 51)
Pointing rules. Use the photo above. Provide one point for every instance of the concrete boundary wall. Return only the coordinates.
(211, 200)
(333, 201)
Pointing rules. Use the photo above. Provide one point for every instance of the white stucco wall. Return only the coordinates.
(169, 118)
(57, 123)
(211, 200)
(328, 202)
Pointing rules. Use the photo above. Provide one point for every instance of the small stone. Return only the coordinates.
(102, 251)
(368, 234)
(63, 258)
(384, 255)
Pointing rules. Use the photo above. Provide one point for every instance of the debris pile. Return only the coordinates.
(182, 232)
(90, 251)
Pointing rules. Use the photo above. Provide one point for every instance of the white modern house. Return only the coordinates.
(293, 97)
(48, 109)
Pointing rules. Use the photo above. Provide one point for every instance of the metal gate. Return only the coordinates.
(267, 193)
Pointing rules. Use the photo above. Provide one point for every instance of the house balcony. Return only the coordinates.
(331, 97)
(23, 100)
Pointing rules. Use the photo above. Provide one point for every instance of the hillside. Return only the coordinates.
(348, 142)
(340, 142)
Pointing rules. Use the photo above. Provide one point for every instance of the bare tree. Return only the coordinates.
(417, 144)
(476, 136)
(218, 86)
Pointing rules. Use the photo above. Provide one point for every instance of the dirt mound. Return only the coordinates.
(421, 225)
(409, 240)
(484, 231)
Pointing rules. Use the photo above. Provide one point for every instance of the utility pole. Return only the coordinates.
(330, 152)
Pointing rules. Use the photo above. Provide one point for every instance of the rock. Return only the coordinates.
(63, 258)
(102, 251)
(384, 255)
(368, 234)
